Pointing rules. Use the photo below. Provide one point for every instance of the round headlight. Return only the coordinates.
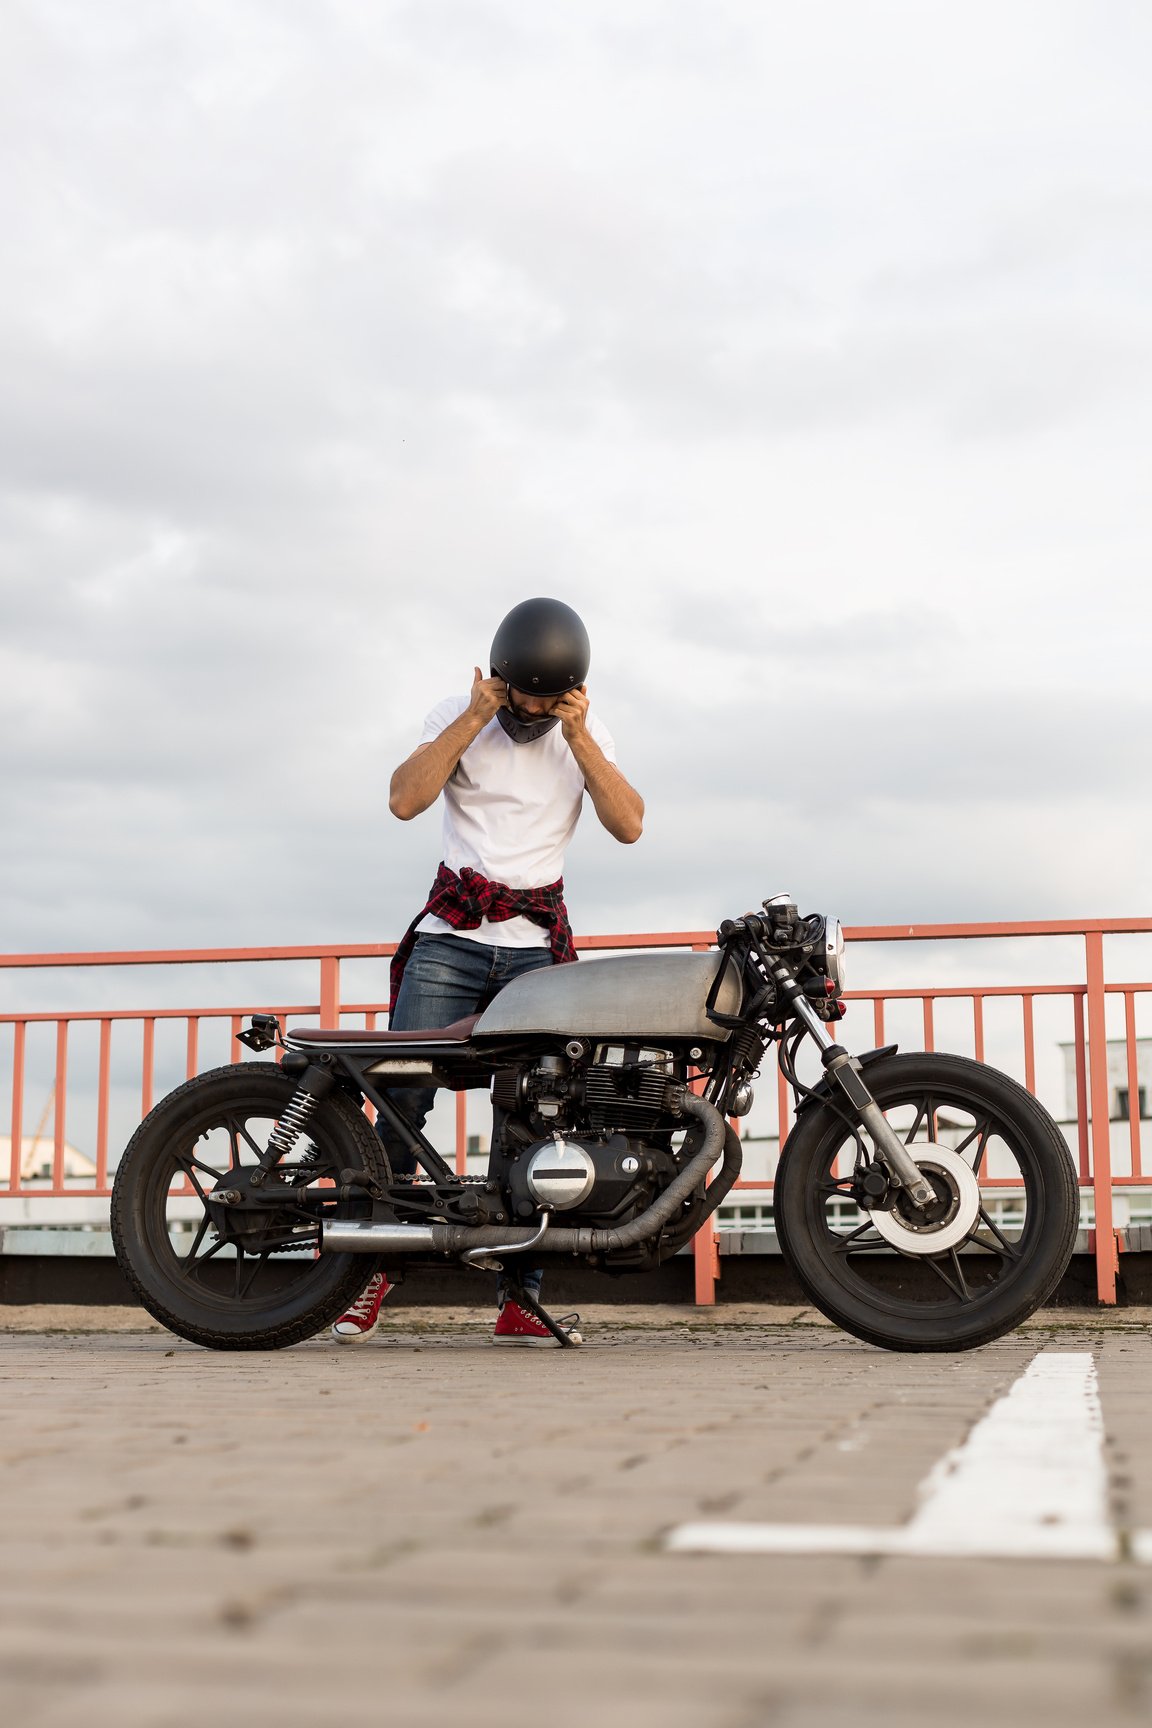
(834, 953)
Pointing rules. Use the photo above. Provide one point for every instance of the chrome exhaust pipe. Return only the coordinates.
(357, 1236)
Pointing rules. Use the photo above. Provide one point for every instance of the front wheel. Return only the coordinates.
(231, 1279)
(985, 1256)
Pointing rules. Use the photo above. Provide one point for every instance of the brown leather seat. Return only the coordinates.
(454, 1034)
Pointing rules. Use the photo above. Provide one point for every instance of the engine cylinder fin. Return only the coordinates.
(627, 1098)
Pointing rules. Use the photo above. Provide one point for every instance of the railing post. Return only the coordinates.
(1083, 1148)
(330, 991)
(1027, 1003)
(17, 1142)
(59, 1106)
(705, 1243)
(1107, 1263)
(147, 1065)
(1136, 1160)
(461, 1133)
(102, 1090)
(706, 1257)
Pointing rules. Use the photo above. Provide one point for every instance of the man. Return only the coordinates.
(513, 760)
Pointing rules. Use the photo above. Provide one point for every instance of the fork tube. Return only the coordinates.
(805, 1011)
(846, 1074)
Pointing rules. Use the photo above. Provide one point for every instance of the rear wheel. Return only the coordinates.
(990, 1250)
(240, 1279)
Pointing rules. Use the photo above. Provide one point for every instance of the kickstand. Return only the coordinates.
(520, 1296)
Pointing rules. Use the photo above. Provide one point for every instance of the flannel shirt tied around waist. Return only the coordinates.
(464, 900)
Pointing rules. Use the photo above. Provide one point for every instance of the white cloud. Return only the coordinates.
(807, 352)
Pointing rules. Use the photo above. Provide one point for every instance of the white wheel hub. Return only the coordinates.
(960, 1215)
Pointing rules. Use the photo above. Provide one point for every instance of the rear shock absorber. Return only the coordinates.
(292, 1124)
(296, 1116)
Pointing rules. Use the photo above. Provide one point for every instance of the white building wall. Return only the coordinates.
(1118, 1086)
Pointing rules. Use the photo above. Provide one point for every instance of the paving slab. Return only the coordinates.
(430, 1529)
(74, 1317)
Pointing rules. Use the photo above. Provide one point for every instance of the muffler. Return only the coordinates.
(349, 1236)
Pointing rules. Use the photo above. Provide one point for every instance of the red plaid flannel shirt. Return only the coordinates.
(463, 900)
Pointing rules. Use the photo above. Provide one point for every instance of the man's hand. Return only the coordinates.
(488, 694)
(618, 805)
(573, 712)
(419, 780)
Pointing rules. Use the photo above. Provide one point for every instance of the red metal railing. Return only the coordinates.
(1086, 1000)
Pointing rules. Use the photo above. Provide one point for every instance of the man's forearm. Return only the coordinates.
(618, 805)
(419, 780)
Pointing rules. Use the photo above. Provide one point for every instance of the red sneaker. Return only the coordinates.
(515, 1326)
(363, 1317)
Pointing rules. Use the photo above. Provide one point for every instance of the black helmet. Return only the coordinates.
(541, 648)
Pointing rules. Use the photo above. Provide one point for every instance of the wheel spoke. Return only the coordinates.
(195, 1248)
(961, 1295)
(984, 1131)
(959, 1271)
(237, 1131)
(979, 1128)
(842, 1244)
(980, 1150)
(261, 1260)
(234, 1160)
(921, 1110)
(189, 1267)
(1009, 1249)
(190, 1173)
(190, 1158)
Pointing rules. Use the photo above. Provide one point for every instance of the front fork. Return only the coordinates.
(844, 1070)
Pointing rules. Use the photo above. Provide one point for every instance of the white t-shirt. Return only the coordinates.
(509, 813)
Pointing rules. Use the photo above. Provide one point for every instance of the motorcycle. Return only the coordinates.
(922, 1201)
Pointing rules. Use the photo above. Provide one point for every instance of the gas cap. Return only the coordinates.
(560, 1174)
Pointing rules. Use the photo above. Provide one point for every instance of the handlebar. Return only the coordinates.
(780, 927)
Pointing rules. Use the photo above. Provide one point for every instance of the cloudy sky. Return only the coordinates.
(806, 350)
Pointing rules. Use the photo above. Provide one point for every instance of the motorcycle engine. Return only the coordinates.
(587, 1133)
(597, 1177)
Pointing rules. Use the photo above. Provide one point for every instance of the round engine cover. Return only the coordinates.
(560, 1174)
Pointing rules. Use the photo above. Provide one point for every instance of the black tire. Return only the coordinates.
(265, 1291)
(948, 1301)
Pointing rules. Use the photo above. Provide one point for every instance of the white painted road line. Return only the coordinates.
(1030, 1477)
(1028, 1483)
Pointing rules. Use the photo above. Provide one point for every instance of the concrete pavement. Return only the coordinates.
(427, 1530)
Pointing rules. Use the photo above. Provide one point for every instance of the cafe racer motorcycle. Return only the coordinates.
(922, 1201)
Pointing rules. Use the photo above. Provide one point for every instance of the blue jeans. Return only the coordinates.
(447, 978)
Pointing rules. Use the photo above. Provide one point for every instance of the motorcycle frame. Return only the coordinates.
(456, 1067)
(775, 966)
